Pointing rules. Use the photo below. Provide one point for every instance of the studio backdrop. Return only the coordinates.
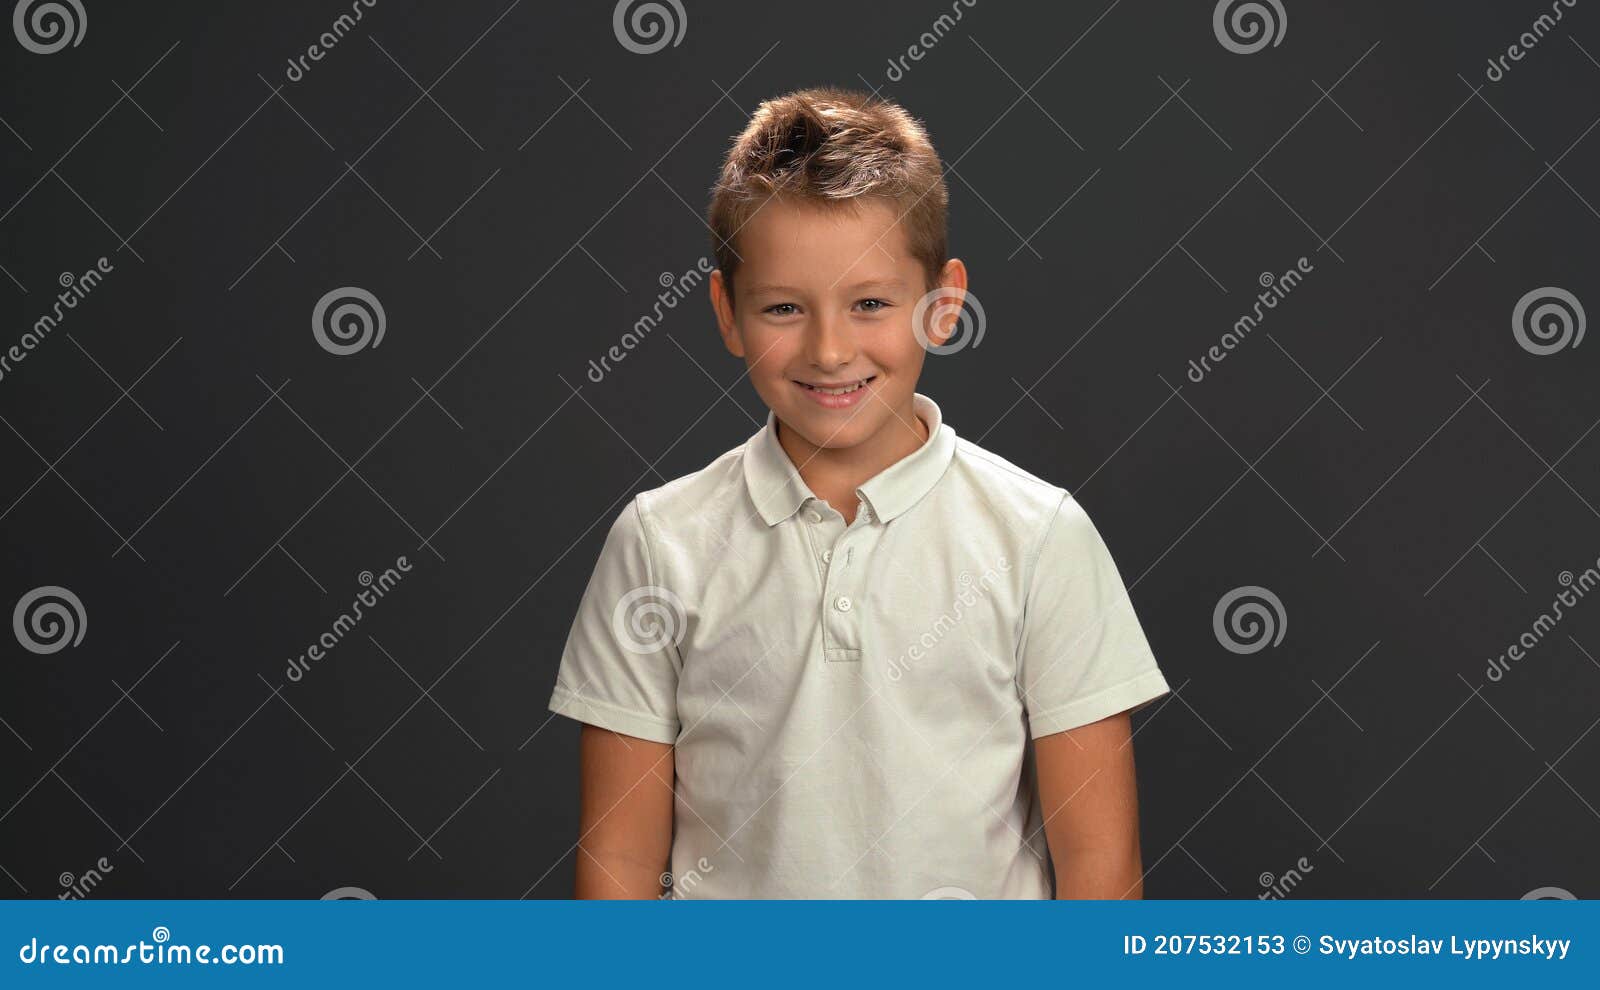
(339, 332)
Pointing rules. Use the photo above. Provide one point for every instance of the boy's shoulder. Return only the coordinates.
(703, 497)
(1023, 505)
(1001, 478)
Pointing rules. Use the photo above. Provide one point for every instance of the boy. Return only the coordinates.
(857, 656)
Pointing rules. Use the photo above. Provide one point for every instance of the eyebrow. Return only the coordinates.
(871, 283)
(878, 283)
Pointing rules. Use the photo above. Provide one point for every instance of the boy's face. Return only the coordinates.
(825, 297)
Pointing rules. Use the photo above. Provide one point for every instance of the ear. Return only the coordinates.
(949, 295)
(722, 302)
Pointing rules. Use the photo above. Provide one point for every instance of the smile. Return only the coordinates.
(837, 396)
(841, 390)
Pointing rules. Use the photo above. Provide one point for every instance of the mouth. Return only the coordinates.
(842, 389)
(836, 395)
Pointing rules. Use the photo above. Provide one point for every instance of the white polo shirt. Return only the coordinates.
(850, 706)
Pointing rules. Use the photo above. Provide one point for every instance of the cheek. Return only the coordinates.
(767, 352)
(896, 346)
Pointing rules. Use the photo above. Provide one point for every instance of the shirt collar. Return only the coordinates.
(778, 490)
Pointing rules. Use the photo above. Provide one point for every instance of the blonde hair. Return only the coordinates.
(834, 148)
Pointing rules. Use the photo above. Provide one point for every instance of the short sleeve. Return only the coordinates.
(1083, 656)
(619, 669)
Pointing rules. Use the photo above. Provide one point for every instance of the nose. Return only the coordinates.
(830, 342)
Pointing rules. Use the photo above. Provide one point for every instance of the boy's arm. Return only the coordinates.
(1089, 799)
(625, 821)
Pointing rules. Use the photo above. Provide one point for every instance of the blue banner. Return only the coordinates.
(300, 943)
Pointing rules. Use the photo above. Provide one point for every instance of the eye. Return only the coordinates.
(873, 305)
(781, 309)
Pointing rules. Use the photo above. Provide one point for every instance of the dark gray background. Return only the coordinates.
(1413, 519)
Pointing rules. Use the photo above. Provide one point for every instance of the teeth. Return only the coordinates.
(846, 390)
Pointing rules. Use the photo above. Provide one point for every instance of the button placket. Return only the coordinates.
(841, 621)
(840, 641)
(817, 531)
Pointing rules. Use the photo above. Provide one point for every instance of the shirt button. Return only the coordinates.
(842, 603)
(827, 556)
(814, 516)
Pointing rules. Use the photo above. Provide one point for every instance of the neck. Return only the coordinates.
(834, 473)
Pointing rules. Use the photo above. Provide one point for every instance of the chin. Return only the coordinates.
(828, 432)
